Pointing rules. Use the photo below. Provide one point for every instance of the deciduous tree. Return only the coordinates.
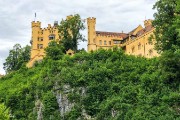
(167, 24)
(70, 32)
(17, 57)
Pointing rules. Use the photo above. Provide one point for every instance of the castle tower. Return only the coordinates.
(36, 53)
(91, 22)
(147, 23)
(36, 26)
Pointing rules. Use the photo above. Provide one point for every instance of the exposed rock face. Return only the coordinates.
(39, 107)
(62, 99)
(65, 105)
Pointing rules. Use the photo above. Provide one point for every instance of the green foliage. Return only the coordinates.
(170, 66)
(4, 112)
(17, 58)
(166, 22)
(177, 21)
(69, 32)
(106, 84)
(103, 84)
(54, 51)
(50, 105)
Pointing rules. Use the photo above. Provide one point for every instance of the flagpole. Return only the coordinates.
(35, 16)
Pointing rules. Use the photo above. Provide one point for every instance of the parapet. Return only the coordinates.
(49, 25)
(36, 24)
(91, 20)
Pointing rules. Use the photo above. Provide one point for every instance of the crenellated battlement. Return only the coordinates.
(36, 24)
(91, 20)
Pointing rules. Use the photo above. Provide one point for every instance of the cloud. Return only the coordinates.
(116, 15)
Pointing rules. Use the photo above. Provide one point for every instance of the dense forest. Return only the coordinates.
(99, 85)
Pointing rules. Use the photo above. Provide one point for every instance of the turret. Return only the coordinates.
(147, 22)
(91, 22)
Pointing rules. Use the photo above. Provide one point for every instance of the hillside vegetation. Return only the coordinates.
(98, 85)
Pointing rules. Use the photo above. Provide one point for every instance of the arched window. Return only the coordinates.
(52, 37)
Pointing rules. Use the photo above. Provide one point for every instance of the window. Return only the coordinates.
(42, 39)
(109, 42)
(105, 42)
(139, 46)
(117, 42)
(151, 52)
(132, 38)
(150, 42)
(40, 46)
(51, 37)
(100, 42)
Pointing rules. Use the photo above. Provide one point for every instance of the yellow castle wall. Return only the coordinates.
(139, 46)
(40, 40)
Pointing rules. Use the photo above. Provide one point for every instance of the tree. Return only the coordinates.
(4, 112)
(54, 50)
(17, 57)
(167, 35)
(177, 22)
(166, 20)
(69, 32)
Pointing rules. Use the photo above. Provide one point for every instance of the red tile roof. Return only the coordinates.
(123, 35)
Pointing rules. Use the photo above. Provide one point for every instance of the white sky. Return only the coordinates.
(111, 15)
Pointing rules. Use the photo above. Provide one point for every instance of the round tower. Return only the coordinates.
(91, 22)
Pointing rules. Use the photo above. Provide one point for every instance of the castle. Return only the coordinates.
(135, 42)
